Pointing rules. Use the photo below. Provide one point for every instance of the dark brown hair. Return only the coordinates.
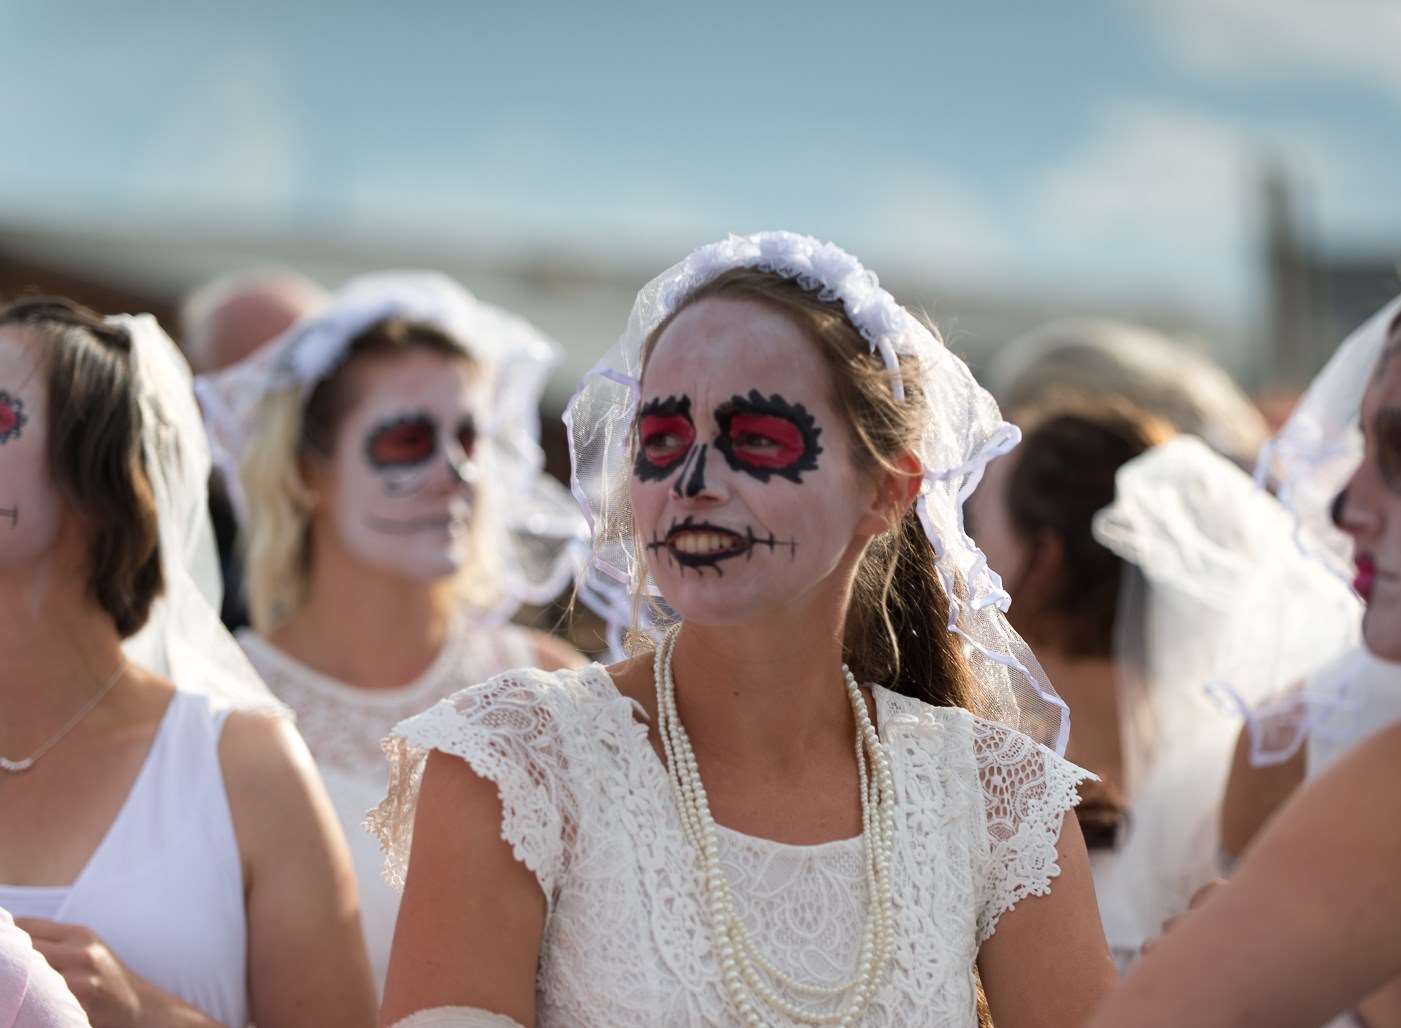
(895, 629)
(1063, 475)
(95, 451)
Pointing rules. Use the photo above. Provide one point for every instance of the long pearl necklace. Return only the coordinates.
(749, 976)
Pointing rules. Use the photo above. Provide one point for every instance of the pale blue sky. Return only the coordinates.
(1093, 149)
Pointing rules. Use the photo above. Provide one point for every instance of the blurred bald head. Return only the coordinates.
(1089, 359)
(227, 319)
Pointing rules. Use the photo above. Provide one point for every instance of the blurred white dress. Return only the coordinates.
(1362, 694)
(343, 727)
(588, 807)
(1169, 844)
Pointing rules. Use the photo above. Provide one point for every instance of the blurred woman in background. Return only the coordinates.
(1033, 515)
(396, 514)
(1310, 922)
(165, 841)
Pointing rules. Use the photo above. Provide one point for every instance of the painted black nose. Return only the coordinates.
(1335, 510)
(691, 481)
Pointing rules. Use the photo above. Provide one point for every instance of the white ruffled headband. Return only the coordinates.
(964, 433)
(543, 538)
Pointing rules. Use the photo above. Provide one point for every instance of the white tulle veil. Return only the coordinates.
(965, 431)
(183, 638)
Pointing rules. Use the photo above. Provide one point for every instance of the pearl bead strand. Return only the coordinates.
(747, 973)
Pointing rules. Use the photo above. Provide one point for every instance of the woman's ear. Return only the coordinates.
(312, 474)
(897, 487)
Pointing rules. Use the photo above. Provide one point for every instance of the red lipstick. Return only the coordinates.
(1366, 573)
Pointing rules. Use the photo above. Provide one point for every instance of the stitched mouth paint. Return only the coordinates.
(408, 526)
(700, 544)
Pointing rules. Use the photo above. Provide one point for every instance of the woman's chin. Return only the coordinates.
(1382, 635)
(713, 601)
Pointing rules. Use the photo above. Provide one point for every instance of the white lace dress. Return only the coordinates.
(343, 727)
(587, 806)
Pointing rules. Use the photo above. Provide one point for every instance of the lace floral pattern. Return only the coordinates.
(343, 726)
(588, 808)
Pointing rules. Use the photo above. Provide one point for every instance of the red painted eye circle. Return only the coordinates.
(12, 417)
(765, 441)
(665, 438)
(403, 443)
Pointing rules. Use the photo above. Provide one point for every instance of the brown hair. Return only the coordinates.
(277, 540)
(895, 630)
(1064, 473)
(95, 453)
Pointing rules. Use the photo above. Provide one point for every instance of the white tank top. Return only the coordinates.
(164, 888)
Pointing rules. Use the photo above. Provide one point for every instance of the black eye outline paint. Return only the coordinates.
(467, 434)
(417, 419)
(742, 545)
(17, 418)
(772, 406)
(12, 513)
(643, 466)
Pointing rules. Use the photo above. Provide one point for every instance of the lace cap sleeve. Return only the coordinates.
(508, 730)
(1026, 789)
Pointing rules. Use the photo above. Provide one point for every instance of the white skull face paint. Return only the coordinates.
(745, 485)
(404, 472)
(31, 509)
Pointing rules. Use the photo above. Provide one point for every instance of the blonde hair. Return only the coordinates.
(277, 537)
(291, 428)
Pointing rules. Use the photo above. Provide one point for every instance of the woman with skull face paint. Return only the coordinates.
(397, 514)
(1310, 921)
(164, 839)
(730, 827)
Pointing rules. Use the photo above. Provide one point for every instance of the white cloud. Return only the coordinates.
(1157, 200)
(1342, 41)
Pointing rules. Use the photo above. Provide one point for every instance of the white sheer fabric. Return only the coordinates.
(1371, 691)
(1169, 847)
(588, 808)
(343, 727)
